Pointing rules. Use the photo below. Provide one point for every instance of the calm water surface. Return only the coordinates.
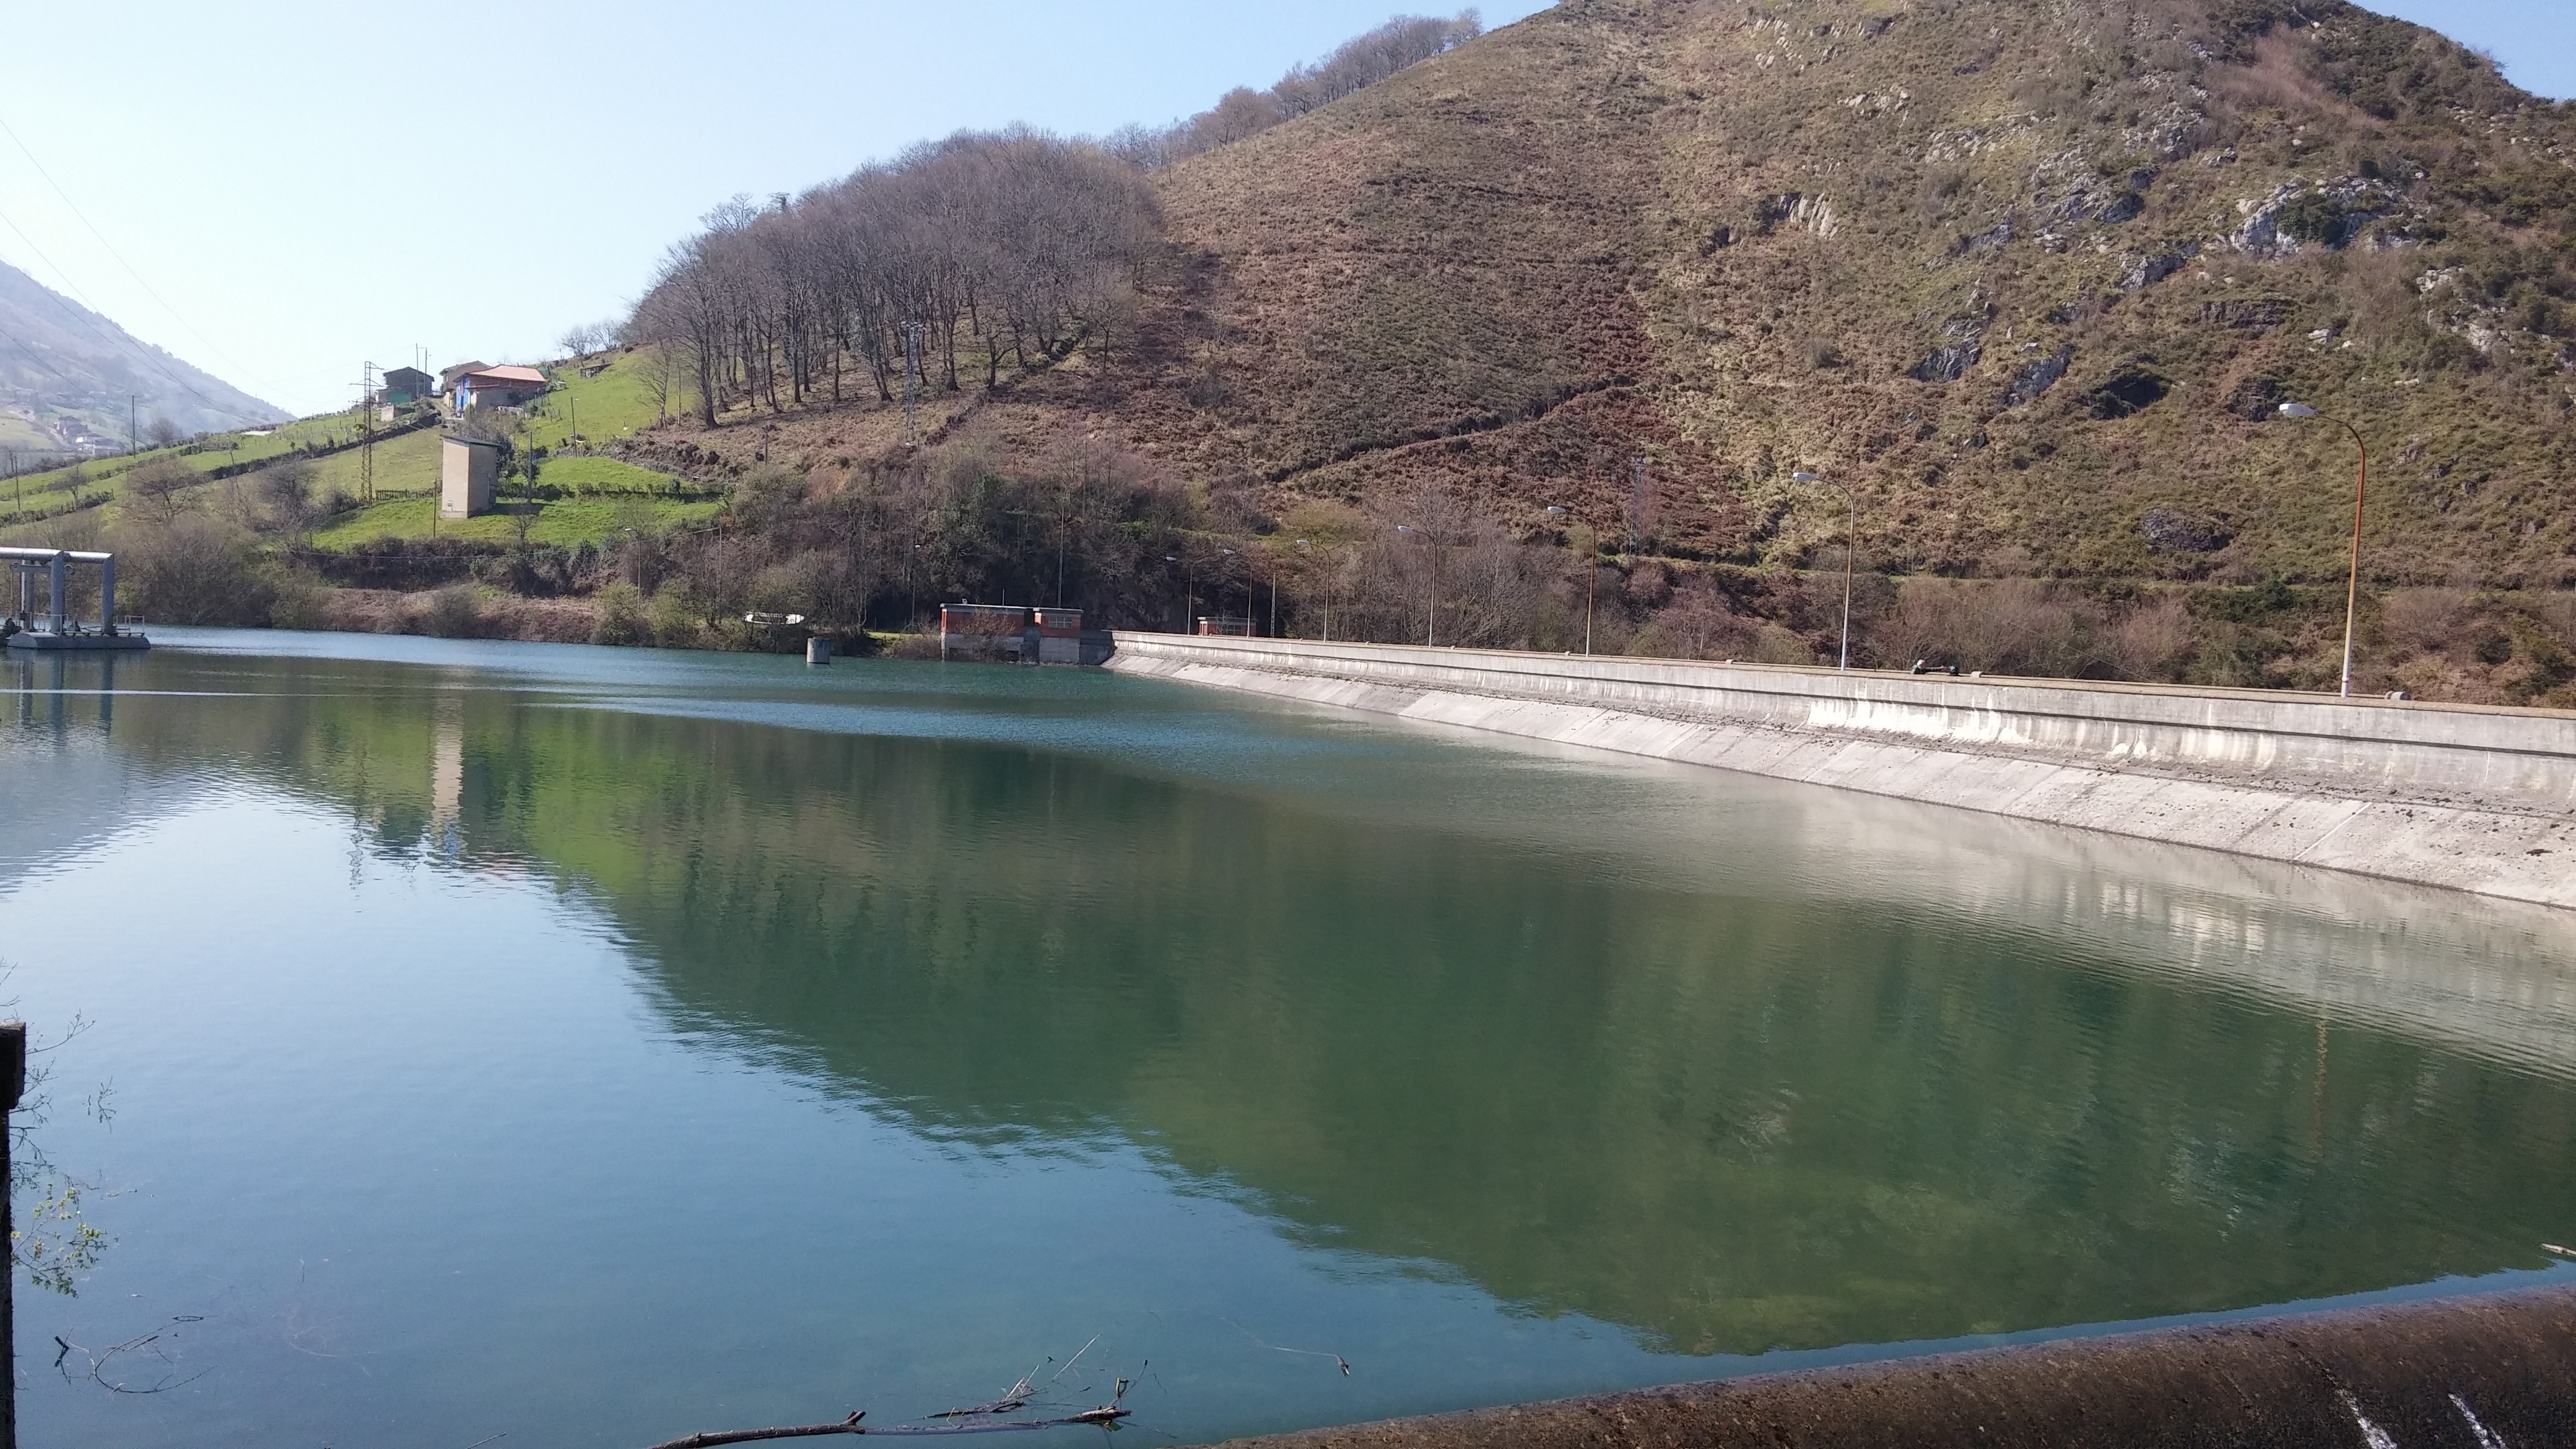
(590, 1046)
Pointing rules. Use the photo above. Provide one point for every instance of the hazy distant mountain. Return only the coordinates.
(67, 375)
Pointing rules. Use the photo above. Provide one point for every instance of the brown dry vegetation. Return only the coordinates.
(2029, 280)
(1723, 237)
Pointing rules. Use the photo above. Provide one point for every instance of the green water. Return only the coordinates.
(592, 1046)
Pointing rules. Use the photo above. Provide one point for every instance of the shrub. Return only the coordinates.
(675, 617)
(2006, 626)
(2313, 216)
(193, 569)
(622, 618)
(454, 612)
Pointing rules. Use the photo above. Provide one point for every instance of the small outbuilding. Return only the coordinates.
(405, 385)
(468, 469)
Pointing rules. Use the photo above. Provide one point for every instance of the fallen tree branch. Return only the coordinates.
(706, 1440)
(1105, 1415)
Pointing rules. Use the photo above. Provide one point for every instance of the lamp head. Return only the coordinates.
(1404, 528)
(2297, 410)
(1806, 478)
(1558, 511)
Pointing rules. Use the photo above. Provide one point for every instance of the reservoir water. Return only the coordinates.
(590, 1046)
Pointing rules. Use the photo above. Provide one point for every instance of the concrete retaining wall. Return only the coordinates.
(2478, 1371)
(2470, 798)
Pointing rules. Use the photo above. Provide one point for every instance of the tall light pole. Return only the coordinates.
(1851, 535)
(1591, 574)
(1328, 608)
(1186, 601)
(1431, 590)
(1247, 594)
(2352, 585)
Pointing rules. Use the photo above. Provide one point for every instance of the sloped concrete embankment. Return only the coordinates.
(2476, 1371)
(2469, 798)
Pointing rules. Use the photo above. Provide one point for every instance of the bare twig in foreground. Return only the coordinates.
(980, 1419)
(849, 1425)
(1106, 1416)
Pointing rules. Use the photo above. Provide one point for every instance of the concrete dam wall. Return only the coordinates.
(2493, 1370)
(2465, 797)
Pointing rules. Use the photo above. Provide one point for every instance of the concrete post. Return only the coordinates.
(107, 595)
(818, 650)
(54, 598)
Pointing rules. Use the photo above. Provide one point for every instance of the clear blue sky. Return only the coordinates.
(303, 186)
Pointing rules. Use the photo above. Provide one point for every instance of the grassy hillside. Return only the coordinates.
(562, 521)
(2029, 280)
(611, 404)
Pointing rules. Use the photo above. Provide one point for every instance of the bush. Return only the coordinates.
(622, 618)
(675, 618)
(2008, 626)
(303, 602)
(455, 612)
(193, 569)
(2313, 216)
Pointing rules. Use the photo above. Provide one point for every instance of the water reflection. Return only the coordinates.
(1733, 1064)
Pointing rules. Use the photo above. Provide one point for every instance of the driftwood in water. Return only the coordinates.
(1106, 1414)
(983, 1417)
(708, 1440)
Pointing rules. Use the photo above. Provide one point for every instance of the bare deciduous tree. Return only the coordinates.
(285, 495)
(999, 246)
(161, 488)
(1359, 62)
(585, 338)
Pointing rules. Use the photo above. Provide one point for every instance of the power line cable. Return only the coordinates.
(32, 357)
(122, 262)
(136, 344)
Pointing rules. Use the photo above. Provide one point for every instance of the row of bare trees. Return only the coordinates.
(990, 246)
(1362, 61)
(987, 248)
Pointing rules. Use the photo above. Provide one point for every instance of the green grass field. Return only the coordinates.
(613, 404)
(47, 490)
(603, 475)
(17, 432)
(564, 521)
(408, 464)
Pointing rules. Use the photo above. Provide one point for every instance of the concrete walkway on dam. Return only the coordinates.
(2466, 797)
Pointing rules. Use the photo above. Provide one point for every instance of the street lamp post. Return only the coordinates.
(1274, 596)
(1186, 600)
(2352, 583)
(1591, 573)
(1851, 535)
(1431, 591)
